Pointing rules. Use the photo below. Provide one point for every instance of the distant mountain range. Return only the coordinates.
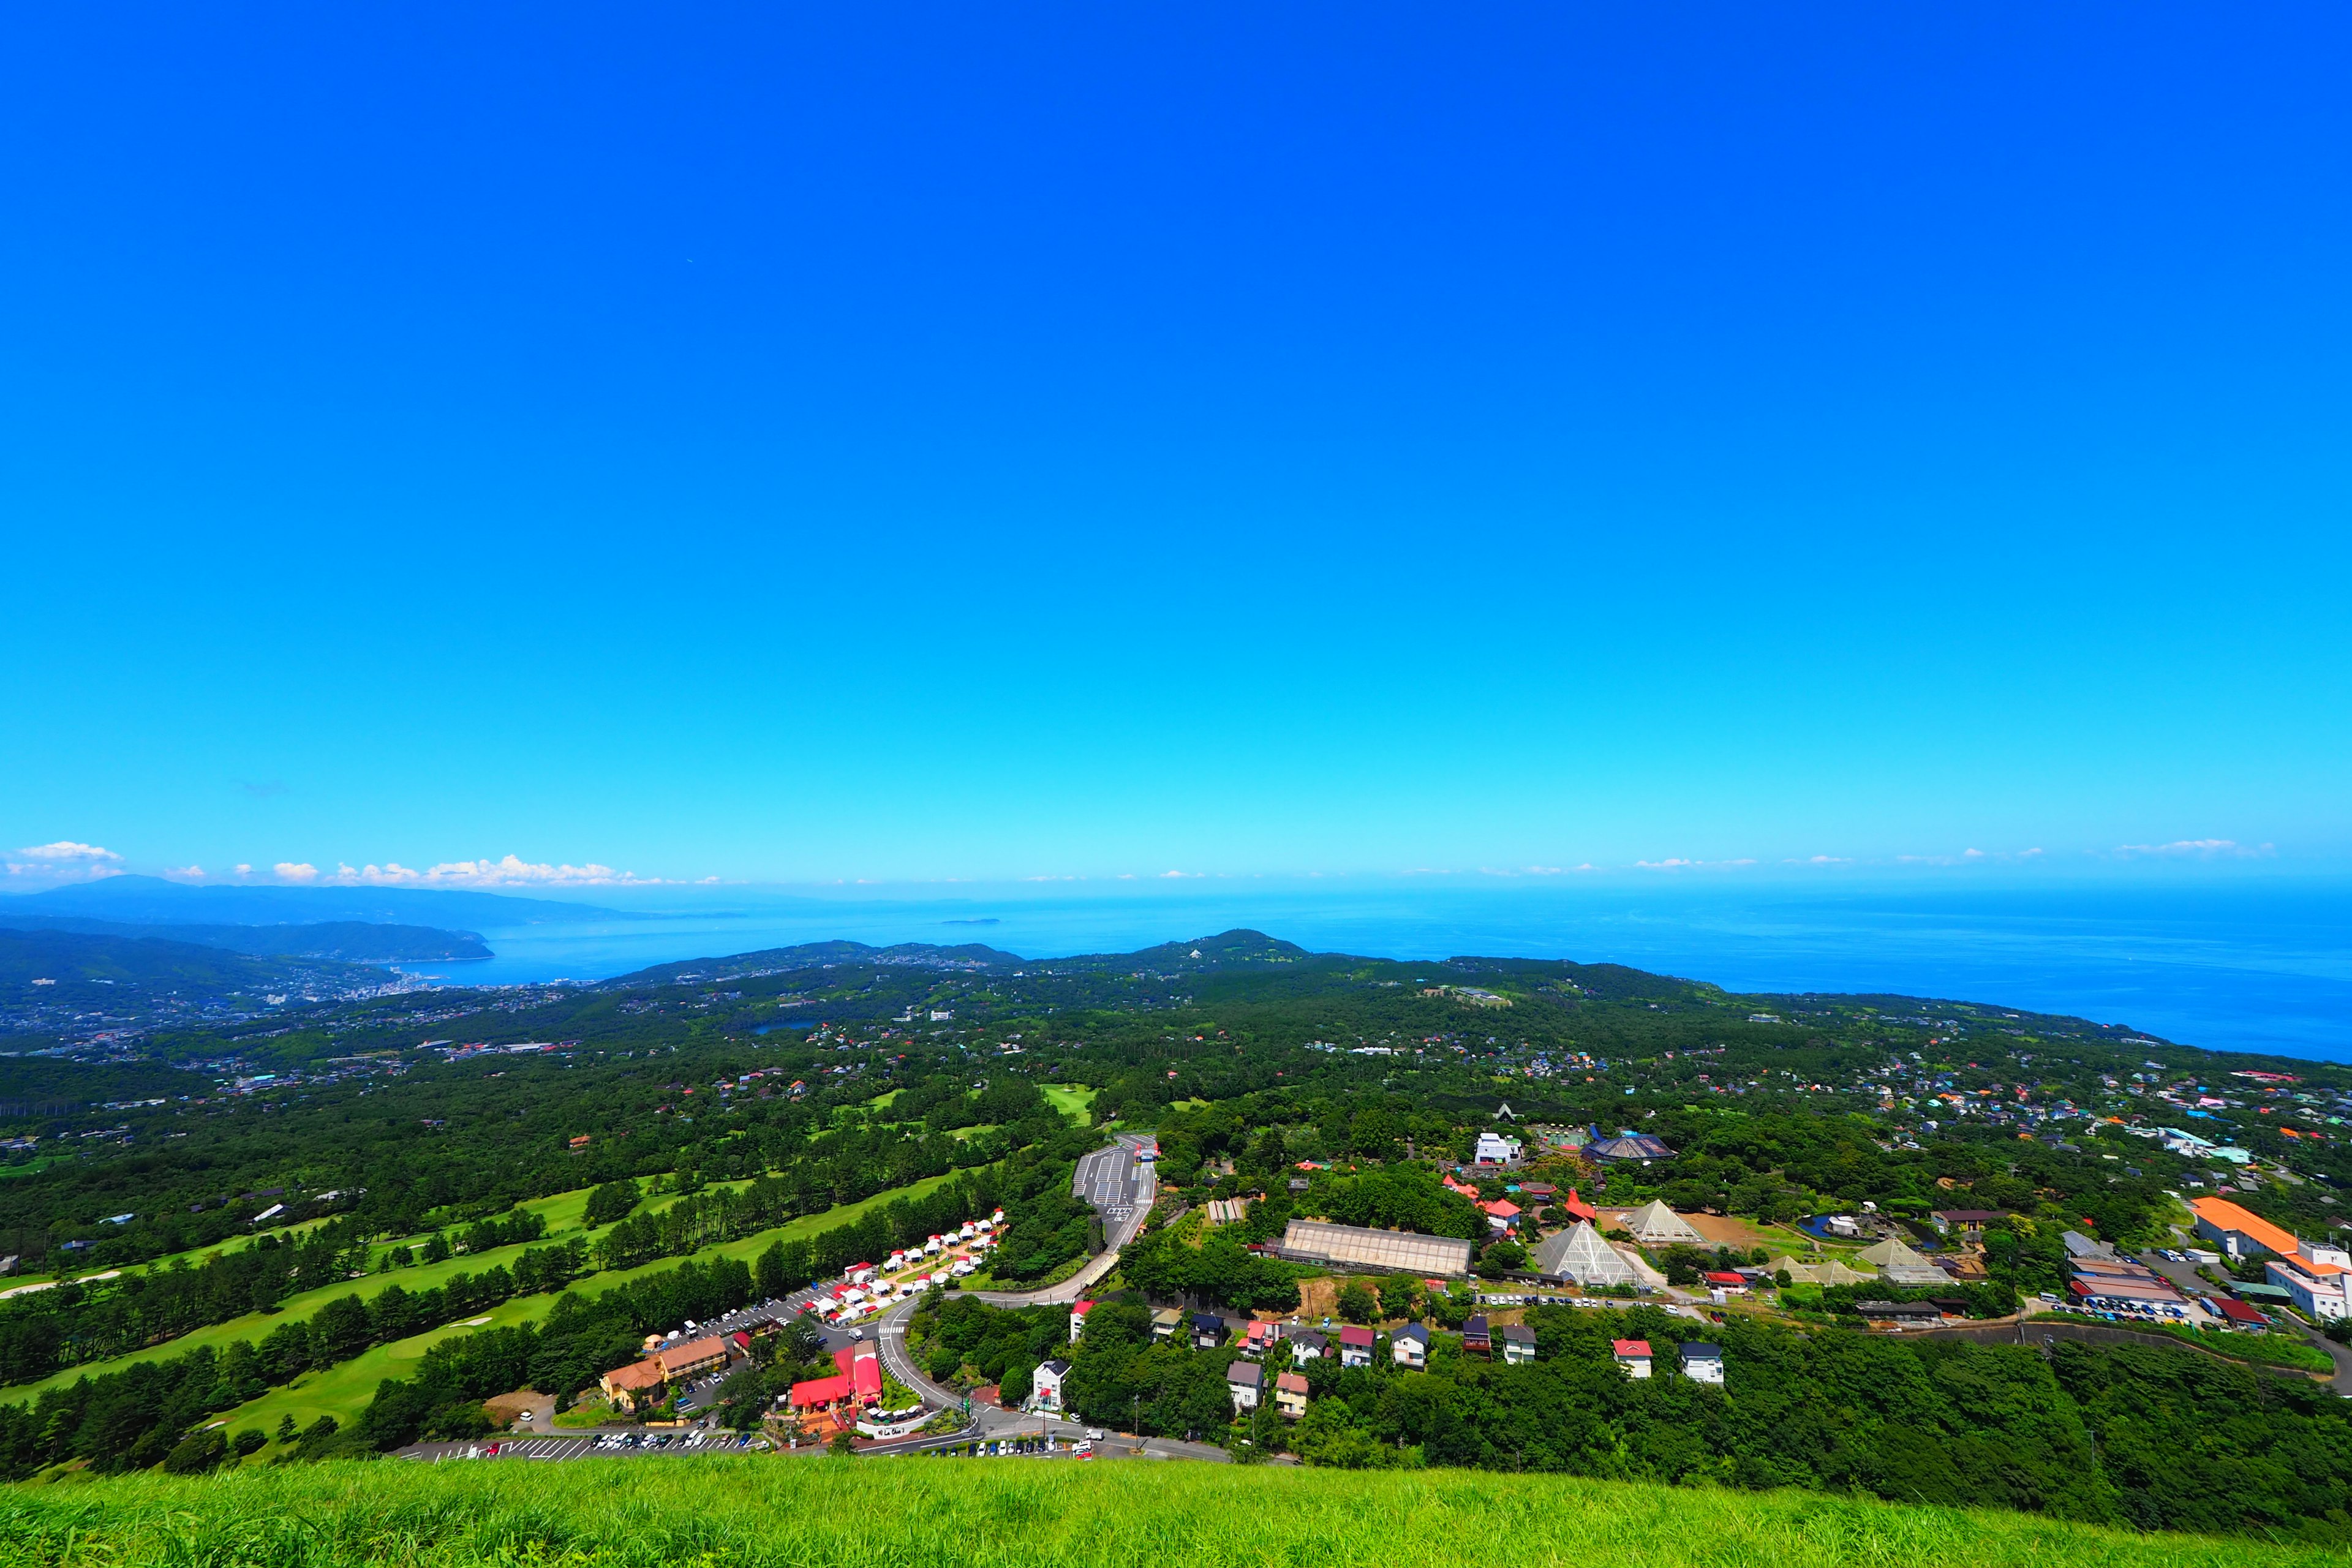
(349, 942)
(151, 901)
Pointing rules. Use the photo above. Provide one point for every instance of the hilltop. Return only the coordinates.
(1029, 1515)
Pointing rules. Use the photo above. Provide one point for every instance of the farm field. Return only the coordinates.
(983, 1514)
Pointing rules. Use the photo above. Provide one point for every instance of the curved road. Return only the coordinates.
(1122, 1189)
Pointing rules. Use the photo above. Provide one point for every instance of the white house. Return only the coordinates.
(1244, 1380)
(1410, 1346)
(1078, 1310)
(1046, 1389)
(1518, 1345)
(1703, 1362)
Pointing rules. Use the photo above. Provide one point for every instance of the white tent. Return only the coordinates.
(1656, 1224)
(1578, 1253)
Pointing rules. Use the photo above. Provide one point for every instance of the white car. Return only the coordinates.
(857, 1334)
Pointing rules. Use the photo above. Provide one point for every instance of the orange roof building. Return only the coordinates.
(639, 1382)
(2239, 1231)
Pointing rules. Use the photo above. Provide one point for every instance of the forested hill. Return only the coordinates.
(347, 942)
(76, 965)
(812, 955)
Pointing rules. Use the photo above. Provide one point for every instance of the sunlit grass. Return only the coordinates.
(864, 1514)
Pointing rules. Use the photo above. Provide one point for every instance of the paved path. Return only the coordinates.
(1122, 1189)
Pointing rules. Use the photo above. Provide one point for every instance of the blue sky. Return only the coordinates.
(911, 443)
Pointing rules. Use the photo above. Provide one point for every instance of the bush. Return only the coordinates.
(197, 1452)
(1356, 1302)
(252, 1440)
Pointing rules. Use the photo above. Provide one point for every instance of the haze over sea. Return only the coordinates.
(2255, 966)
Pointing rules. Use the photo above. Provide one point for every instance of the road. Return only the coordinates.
(1122, 1189)
(2184, 1275)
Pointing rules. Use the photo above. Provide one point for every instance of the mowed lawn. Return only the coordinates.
(1071, 1099)
(563, 1211)
(750, 1512)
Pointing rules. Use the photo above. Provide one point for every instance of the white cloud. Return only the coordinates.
(184, 871)
(67, 849)
(1165, 875)
(1676, 863)
(508, 872)
(296, 871)
(1820, 860)
(243, 870)
(2198, 848)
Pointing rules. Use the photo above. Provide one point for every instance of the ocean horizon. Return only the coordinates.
(2260, 967)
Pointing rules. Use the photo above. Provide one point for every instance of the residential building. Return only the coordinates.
(1475, 1336)
(1726, 1279)
(1165, 1321)
(1046, 1388)
(1633, 1356)
(1307, 1345)
(1518, 1345)
(1501, 1215)
(1259, 1338)
(1703, 1362)
(1208, 1331)
(1968, 1224)
(1290, 1394)
(1244, 1380)
(1078, 1310)
(1355, 1346)
(1410, 1346)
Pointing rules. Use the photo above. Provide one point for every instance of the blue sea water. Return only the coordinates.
(2252, 966)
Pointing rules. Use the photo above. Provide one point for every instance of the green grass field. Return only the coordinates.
(1070, 1099)
(343, 1391)
(741, 1513)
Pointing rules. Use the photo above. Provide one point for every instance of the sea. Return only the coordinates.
(2250, 966)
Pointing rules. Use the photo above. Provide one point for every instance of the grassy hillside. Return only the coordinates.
(343, 1391)
(981, 1514)
(563, 1211)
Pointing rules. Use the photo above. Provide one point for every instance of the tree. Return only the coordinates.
(845, 1442)
(613, 1201)
(1357, 1304)
(250, 1441)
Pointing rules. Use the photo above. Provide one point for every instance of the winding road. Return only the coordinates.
(1121, 1188)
